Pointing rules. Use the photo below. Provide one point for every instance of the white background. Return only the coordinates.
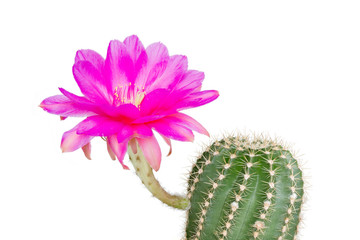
(286, 68)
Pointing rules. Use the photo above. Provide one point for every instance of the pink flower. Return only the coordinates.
(128, 95)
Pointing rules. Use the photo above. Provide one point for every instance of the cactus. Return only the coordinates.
(244, 188)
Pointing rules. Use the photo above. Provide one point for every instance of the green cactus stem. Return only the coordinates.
(146, 175)
(245, 188)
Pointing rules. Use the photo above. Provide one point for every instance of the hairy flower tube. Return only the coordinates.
(128, 95)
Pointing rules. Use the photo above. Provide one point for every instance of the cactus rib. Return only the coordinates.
(244, 188)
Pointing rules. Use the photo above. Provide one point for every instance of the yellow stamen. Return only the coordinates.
(139, 97)
(123, 94)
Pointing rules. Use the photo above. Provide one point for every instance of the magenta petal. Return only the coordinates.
(72, 141)
(151, 150)
(87, 150)
(126, 112)
(81, 102)
(142, 131)
(197, 99)
(154, 73)
(125, 134)
(172, 129)
(180, 100)
(175, 69)
(119, 66)
(153, 101)
(63, 106)
(161, 102)
(90, 56)
(119, 149)
(189, 122)
(75, 98)
(100, 126)
(157, 104)
(157, 58)
(150, 118)
(91, 82)
(136, 51)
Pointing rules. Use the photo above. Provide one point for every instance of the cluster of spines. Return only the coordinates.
(261, 172)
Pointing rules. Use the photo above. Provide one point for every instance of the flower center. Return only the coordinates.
(129, 94)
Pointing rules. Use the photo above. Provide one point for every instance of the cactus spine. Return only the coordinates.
(244, 188)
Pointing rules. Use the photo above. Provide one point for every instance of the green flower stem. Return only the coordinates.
(145, 173)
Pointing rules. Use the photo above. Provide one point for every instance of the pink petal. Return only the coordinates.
(72, 141)
(63, 106)
(133, 145)
(119, 149)
(87, 150)
(172, 129)
(110, 151)
(191, 80)
(90, 56)
(157, 52)
(91, 82)
(188, 122)
(119, 67)
(151, 150)
(168, 142)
